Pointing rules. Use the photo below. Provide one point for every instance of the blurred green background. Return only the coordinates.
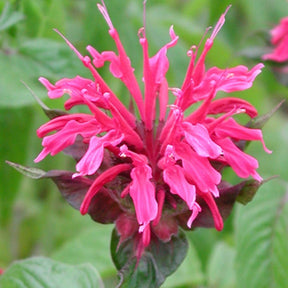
(34, 219)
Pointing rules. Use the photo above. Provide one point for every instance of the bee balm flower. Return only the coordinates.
(279, 40)
(144, 173)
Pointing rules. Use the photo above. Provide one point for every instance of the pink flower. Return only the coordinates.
(279, 40)
(163, 163)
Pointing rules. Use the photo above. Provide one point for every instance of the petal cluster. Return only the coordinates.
(165, 161)
(279, 40)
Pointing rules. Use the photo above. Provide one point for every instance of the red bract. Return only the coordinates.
(165, 163)
(279, 40)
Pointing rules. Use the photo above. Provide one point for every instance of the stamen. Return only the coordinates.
(192, 51)
(103, 10)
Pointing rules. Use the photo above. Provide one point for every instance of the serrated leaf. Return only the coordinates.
(48, 14)
(53, 54)
(40, 272)
(221, 272)
(261, 234)
(91, 246)
(38, 57)
(157, 262)
(204, 240)
(280, 246)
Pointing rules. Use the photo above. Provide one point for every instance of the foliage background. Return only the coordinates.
(35, 220)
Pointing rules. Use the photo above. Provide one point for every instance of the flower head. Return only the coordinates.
(165, 163)
(279, 41)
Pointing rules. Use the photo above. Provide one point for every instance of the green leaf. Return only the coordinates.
(33, 15)
(158, 261)
(48, 14)
(50, 113)
(8, 17)
(261, 234)
(204, 240)
(221, 272)
(40, 272)
(280, 245)
(189, 273)
(53, 55)
(216, 9)
(14, 69)
(90, 246)
(34, 58)
(15, 126)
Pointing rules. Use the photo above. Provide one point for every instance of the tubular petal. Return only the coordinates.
(218, 221)
(155, 69)
(198, 169)
(57, 142)
(227, 104)
(92, 159)
(231, 128)
(100, 181)
(59, 122)
(174, 177)
(122, 63)
(198, 138)
(196, 209)
(243, 164)
(142, 191)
